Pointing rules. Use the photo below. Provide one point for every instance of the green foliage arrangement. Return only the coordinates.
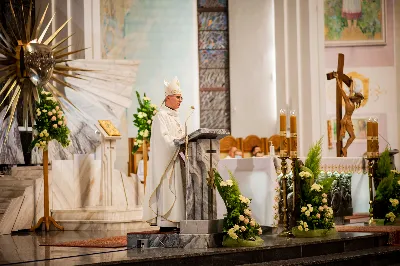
(386, 203)
(240, 228)
(313, 160)
(143, 120)
(51, 124)
(383, 167)
(315, 214)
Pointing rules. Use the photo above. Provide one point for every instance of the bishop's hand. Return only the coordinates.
(179, 142)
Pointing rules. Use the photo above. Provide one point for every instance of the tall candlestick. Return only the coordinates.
(375, 134)
(370, 138)
(293, 134)
(283, 140)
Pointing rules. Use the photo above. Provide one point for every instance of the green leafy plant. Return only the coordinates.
(50, 122)
(239, 223)
(386, 203)
(313, 208)
(384, 166)
(143, 120)
(313, 159)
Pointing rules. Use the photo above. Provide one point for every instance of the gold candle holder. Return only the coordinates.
(293, 134)
(371, 174)
(286, 232)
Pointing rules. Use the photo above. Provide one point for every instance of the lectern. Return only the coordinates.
(203, 156)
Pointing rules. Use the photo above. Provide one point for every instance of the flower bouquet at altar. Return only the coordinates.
(386, 208)
(316, 217)
(240, 228)
(143, 120)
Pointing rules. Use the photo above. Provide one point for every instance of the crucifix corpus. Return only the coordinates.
(352, 101)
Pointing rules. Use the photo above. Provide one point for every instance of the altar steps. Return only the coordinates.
(386, 255)
(277, 251)
(14, 186)
(356, 218)
(100, 218)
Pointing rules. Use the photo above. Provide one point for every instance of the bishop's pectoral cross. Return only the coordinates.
(340, 77)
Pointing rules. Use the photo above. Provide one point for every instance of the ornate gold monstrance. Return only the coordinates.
(28, 62)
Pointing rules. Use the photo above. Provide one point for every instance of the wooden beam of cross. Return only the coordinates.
(340, 77)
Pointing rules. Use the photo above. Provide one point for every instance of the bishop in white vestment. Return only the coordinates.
(164, 194)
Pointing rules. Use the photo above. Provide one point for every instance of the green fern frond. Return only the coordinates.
(314, 156)
(384, 167)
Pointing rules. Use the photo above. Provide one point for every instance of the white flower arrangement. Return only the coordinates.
(143, 120)
(318, 216)
(239, 223)
(316, 187)
(394, 202)
(305, 174)
(391, 216)
(50, 122)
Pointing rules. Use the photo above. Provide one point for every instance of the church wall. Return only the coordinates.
(161, 34)
(252, 68)
(375, 75)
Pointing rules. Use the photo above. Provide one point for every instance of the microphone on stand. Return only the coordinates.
(387, 142)
(391, 152)
(187, 135)
(186, 152)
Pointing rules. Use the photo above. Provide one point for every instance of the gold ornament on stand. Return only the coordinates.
(372, 157)
(30, 62)
(27, 63)
(283, 155)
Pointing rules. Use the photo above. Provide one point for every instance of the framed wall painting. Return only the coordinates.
(354, 22)
(360, 129)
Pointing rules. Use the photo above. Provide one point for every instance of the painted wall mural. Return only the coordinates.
(161, 36)
(354, 22)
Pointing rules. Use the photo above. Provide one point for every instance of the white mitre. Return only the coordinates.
(173, 87)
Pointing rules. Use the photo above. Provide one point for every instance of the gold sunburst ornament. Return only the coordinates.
(28, 62)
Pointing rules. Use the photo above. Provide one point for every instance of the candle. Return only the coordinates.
(282, 119)
(293, 134)
(375, 134)
(282, 126)
(370, 137)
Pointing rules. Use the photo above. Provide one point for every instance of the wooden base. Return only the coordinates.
(47, 220)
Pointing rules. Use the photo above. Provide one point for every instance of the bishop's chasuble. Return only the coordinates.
(164, 195)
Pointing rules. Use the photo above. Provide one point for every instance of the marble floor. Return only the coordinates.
(25, 249)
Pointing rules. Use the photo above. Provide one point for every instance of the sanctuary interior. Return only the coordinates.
(241, 65)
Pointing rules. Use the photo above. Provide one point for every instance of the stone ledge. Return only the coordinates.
(174, 240)
(201, 226)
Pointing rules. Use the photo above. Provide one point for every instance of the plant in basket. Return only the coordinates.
(240, 227)
(316, 217)
(143, 120)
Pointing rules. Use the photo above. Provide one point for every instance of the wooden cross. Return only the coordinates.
(340, 78)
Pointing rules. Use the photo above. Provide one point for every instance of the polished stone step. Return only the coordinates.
(98, 213)
(102, 225)
(385, 255)
(174, 240)
(27, 172)
(274, 249)
(16, 183)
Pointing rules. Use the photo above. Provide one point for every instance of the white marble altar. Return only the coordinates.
(257, 180)
(75, 197)
(78, 192)
(359, 179)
